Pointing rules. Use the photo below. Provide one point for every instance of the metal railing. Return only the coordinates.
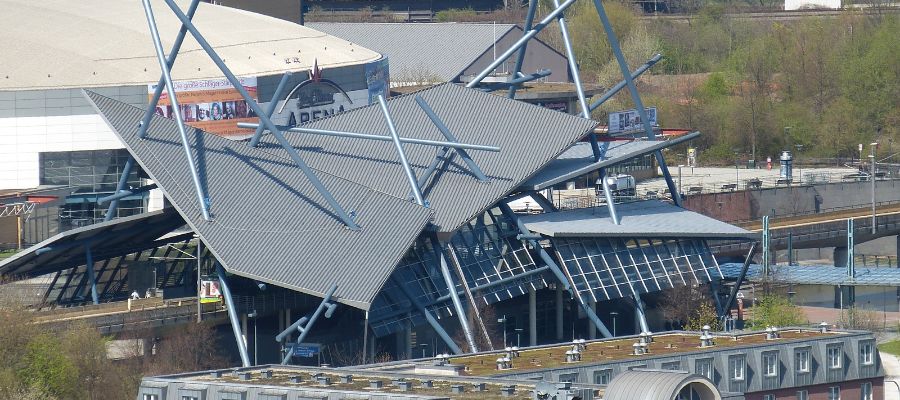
(860, 206)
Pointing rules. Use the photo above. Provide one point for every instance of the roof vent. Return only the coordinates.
(706, 340)
(376, 384)
(573, 355)
(646, 337)
(347, 378)
(772, 333)
(457, 389)
(508, 391)
(441, 359)
(427, 383)
(296, 379)
(479, 387)
(504, 363)
(404, 386)
(639, 349)
(244, 376)
(580, 344)
(512, 352)
(823, 327)
(267, 374)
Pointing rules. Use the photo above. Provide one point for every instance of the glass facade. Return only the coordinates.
(93, 175)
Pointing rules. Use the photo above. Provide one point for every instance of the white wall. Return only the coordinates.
(23, 138)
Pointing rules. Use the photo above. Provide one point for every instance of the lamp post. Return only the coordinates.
(872, 147)
(503, 321)
(614, 314)
(680, 191)
(252, 315)
(519, 337)
(797, 161)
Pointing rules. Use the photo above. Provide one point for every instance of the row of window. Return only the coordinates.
(834, 393)
(737, 364)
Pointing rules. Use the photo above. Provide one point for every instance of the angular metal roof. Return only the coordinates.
(579, 160)
(106, 239)
(529, 137)
(443, 50)
(646, 384)
(269, 223)
(643, 219)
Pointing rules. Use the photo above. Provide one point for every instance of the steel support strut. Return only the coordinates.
(304, 325)
(232, 315)
(729, 303)
(366, 136)
(429, 317)
(621, 85)
(123, 180)
(520, 58)
(170, 87)
(410, 175)
(473, 167)
(522, 78)
(468, 292)
(635, 97)
(520, 43)
(610, 204)
(451, 287)
(170, 61)
(125, 193)
(295, 157)
(639, 310)
(257, 136)
(89, 267)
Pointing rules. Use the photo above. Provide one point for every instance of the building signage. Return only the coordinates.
(212, 105)
(209, 290)
(306, 349)
(630, 120)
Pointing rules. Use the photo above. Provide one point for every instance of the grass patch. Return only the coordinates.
(892, 347)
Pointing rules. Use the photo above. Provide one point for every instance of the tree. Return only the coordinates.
(776, 311)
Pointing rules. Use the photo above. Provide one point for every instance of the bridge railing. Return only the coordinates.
(773, 215)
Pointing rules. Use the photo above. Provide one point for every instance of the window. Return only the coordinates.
(834, 393)
(834, 357)
(189, 397)
(769, 396)
(865, 392)
(736, 365)
(671, 365)
(770, 364)
(802, 395)
(150, 397)
(568, 377)
(802, 356)
(603, 376)
(866, 353)
(703, 367)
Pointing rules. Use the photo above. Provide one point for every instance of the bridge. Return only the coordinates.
(818, 230)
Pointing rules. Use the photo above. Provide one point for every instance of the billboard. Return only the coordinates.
(629, 120)
(212, 105)
(209, 290)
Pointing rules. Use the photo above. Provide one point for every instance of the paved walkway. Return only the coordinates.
(891, 374)
(712, 178)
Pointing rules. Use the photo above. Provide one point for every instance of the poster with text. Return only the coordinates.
(212, 105)
(630, 120)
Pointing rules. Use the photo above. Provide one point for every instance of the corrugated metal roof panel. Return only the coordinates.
(269, 223)
(656, 385)
(579, 160)
(111, 239)
(438, 50)
(529, 137)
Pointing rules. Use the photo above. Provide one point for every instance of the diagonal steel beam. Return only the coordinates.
(304, 325)
(429, 317)
(520, 58)
(520, 43)
(621, 85)
(120, 186)
(473, 167)
(254, 141)
(170, 62)
(170, 87)
(410, 175)
(451, 288)
(307, 171)
(635, 96)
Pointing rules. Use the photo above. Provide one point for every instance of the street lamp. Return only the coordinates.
(503, 321)
(614, 314)
(679, 180)
(797, 162)
(872, 147)
(252, 315)
(424, 346)
(519, 337)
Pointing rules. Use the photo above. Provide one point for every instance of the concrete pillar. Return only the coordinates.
(592, 330)
(532, 317)
(404, 342)
(559, 313)
(840, 257)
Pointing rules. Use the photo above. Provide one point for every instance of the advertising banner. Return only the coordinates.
(378, 79)
(212, 105)
(629, 120)
(209, 291)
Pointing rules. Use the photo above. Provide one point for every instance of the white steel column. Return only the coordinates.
(532, 317)
(592, 331)
(244, 329)
(559, 313)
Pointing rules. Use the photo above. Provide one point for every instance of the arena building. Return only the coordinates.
(49, 134)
